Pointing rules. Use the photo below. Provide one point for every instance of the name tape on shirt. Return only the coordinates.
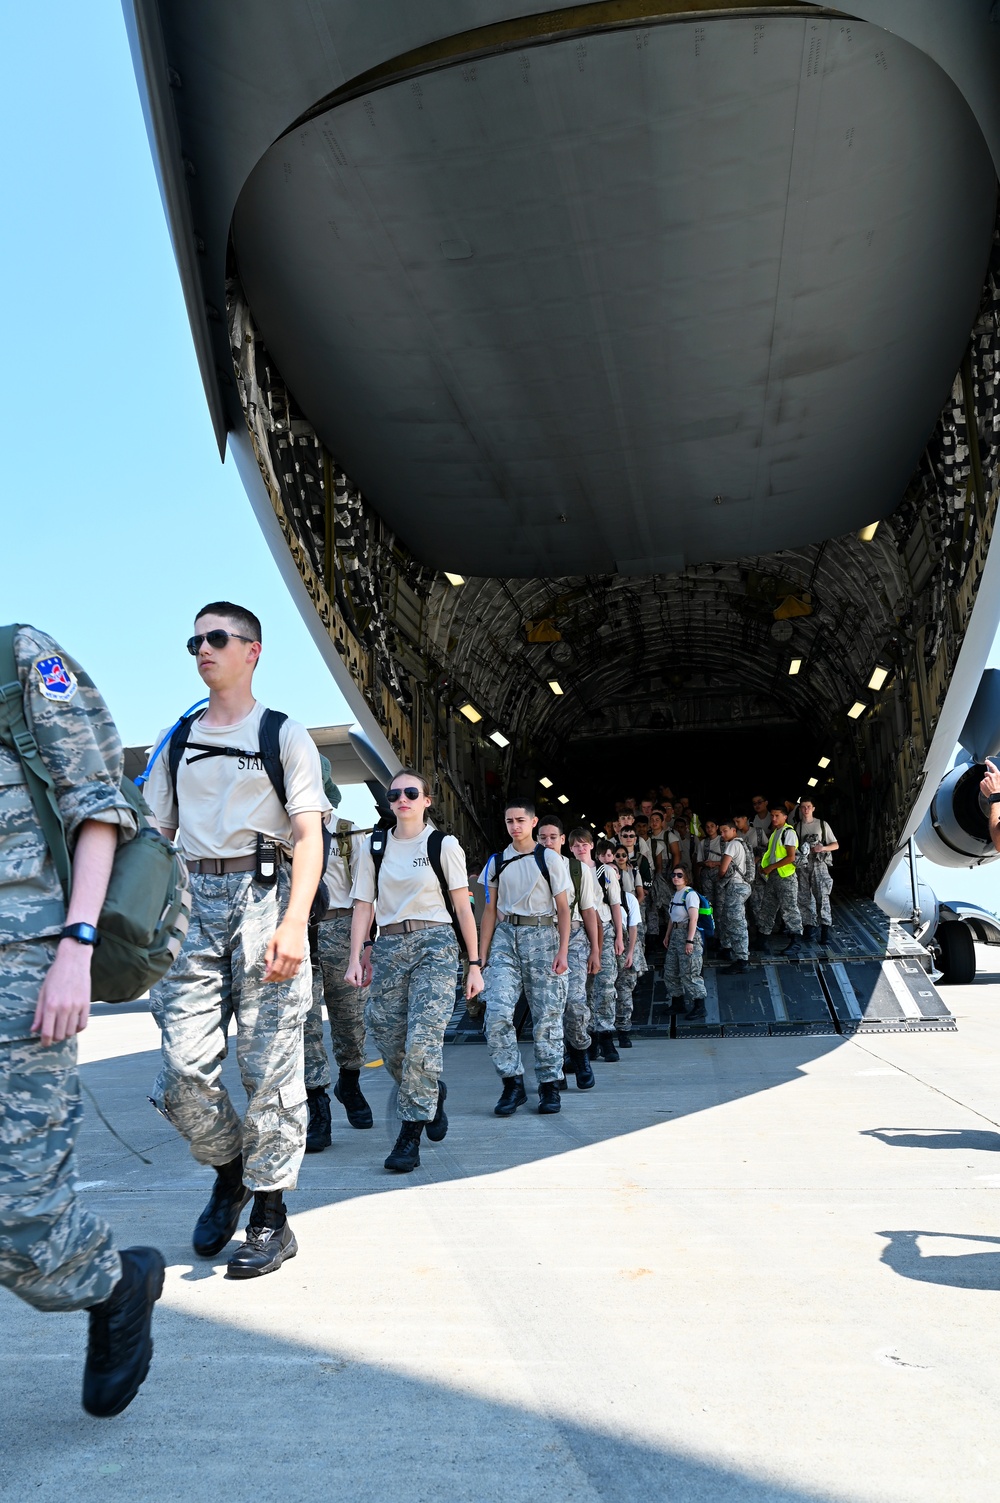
(57, 681)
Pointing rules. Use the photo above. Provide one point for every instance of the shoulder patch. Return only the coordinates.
(57, 681)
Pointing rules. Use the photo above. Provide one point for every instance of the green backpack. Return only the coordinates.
(148, 904)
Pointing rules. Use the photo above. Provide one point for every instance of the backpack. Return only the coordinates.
(706, 918)
(501, 866)
(269, 752)
(147, 907)
(435, 840)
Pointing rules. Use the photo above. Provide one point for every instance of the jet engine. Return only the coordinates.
(955, 829)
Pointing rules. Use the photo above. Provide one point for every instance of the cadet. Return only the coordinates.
(815, 880)
(55, 1253)
(525, 939)
(345, 1005)
(255, 861)
(632, 962)
(760, 830)
(709, 860)
(583, 957)
(684, 947)
(781, 892)
(414, 964)
(601, 988)
(734, 886)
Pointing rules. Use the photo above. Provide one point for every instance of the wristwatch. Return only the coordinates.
(479, 963)
(84, 934)
(994, 798)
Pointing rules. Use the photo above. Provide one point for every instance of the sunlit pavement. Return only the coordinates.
(737, 1270)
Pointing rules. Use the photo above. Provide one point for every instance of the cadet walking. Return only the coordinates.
(781, 893)
(583, 958)
(330, 949)
(734, 887)
(407, 879)
(255, 857)
(632, 962)
(525, 941)
(55, 1253)
(815, 879)
(684, 947)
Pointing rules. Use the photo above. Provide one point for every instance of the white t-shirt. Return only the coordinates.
(632, 911)
(680, 903)
(223, 803)
(610, 875)
(338, 878)
(710, 848)
(588, 895)
(643, 848)
(407, 885)
(523, 889)
(817, 832)
(760, 827)
(740, 860)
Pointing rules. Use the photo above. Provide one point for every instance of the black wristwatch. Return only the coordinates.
(84, 934)
(479, 963)
(994, 798)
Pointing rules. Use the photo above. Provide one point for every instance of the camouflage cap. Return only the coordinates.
(329, 786)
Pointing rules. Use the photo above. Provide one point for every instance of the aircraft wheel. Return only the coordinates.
(958, 954)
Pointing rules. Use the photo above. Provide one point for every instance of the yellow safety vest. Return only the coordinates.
(776, 851)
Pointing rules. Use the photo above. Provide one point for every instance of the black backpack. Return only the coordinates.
(499, 867)
(435, 839)
(269, 752)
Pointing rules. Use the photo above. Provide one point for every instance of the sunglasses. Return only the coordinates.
(395, 794)
(628, 834)
(215, 639)
(682, 875)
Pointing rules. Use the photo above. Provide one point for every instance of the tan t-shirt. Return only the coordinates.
(223, 803)
(407, 885)
(610, 876)
(589, 898)
(338, 877)
(524, 891)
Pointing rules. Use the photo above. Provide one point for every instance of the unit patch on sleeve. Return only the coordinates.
(58, 682)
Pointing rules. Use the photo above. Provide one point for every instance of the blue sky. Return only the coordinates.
(113, 483)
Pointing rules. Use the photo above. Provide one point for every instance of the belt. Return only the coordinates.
(529, 920)
(221, 866)
(332, 913)
(410, 926)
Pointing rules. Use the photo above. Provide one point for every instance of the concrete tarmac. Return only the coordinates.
(738, 1271)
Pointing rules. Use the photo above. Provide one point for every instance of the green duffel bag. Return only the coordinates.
(148, 904)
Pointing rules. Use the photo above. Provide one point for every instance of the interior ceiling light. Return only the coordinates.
(455, 579)
(794, 666)
(470, 712)
(545, 782)
(555, 686)
(812, 782)
(824, 761)
(499, 739)
(857, 710)
(878, 678)
(866, 534)
(563, 799)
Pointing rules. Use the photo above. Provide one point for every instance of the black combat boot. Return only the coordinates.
(348, 1093)
(580, 1066)
(794, 950)
(624, 1039)
(824, 935)
(218, 1221)
(676, 1005)
(809, 934)
(608, 1051)
(437, 1127)
(548, 1099)
(595, 1047)
(405, 1153)
(725, 953)
(738, 968)
(120, 1342)
(270, 1240)
(512, 1096)
(318, 1135)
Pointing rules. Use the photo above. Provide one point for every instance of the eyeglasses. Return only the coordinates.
(682, 875)
(395, 794)
(215, 639)
(761, 801)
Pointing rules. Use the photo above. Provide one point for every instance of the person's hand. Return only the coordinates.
(619, 947)
(561, 964)
(629, 958)
(355, 974)
(594, 963)
(284, 954)
(474, 983)
(689, 944)
(666, 940)
(63, 1008)
(366, 966)
(991, 782)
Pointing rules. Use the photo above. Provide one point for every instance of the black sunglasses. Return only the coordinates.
(628, 834)
(395, 794)
(215, 639)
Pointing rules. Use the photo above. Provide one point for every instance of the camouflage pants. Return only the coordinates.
(657, 904)
(601, 988)
(781, 894)
(576, 1013)
(710, 885)
(411, 1000)
(681, 971)
(624, 987)
(54, 1253)
(815, 886)
(757, 890)
(219, 975)
(345, 1006)
(521, 960)
(732, 916)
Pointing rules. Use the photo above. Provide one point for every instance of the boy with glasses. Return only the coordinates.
(255, 863)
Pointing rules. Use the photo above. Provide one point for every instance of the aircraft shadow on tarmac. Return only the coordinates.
(961, 1270)
(936, 1137)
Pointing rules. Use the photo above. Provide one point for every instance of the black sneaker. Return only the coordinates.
(437, 1127)
(318, 1134)
(405, 1154)
(218, 1221)
(512, 1096)
(348, 1093)
(548, 1099)
(120, 1341)
(270, 1241)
